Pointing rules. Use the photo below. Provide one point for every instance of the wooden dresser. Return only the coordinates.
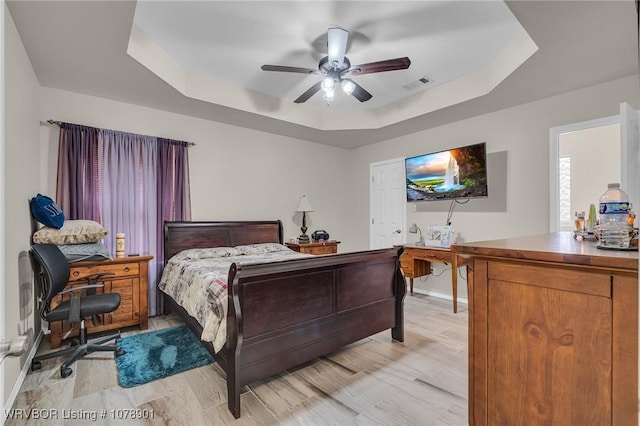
(328, 247)
(553, 332)
(130, 279)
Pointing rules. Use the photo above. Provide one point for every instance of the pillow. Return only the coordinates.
(205, 253)
(261, 248)
(72, 232)
(88, 251)
(46, 211)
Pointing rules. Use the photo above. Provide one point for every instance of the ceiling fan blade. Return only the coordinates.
(283, 68)
(381, 66)
(359, 92)
(309, 93)
(337, 45)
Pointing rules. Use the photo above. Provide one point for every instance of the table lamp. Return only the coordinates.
(414, 229)
(304, 206)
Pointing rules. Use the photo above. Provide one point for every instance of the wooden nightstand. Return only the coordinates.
(328, 247)
(130, 279)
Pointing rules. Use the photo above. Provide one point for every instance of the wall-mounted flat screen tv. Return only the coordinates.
(446, 175)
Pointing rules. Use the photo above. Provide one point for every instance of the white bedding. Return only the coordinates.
(197, 280)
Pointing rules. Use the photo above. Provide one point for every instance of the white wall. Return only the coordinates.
(521, 131)
(235, 173)
(21, 181)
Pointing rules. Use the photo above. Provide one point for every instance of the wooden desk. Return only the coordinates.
(416, 262)
(327, 247)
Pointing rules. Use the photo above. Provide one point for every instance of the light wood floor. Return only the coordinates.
(375, 381)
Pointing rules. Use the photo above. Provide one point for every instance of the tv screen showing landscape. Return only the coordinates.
(450, 174)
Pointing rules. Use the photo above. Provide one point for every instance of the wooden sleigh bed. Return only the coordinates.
(286, 313)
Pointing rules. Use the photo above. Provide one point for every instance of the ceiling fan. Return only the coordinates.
(336, 67)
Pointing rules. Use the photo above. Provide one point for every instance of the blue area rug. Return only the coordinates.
(157, 354)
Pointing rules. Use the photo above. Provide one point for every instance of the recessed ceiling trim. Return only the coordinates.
(143, 49)
(470, 86)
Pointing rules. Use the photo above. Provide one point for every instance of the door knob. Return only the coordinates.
(397, 231)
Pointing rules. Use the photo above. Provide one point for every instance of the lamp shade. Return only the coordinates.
(414, 229)
(304, 205)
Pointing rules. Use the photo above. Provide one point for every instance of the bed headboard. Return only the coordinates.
(180, 236)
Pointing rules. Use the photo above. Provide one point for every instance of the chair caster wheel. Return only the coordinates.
(74, 342)
(36, 365)
(120, 352)
(65, 372)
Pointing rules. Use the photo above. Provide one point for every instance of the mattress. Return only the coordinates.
(196, 279)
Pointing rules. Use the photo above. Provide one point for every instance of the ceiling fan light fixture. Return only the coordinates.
(348, 86)
(327, 85)
(329, 95)
(334, 67)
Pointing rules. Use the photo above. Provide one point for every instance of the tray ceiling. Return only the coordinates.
(203, 58)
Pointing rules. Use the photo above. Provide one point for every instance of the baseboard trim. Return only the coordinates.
(439, 295)
(23, 373)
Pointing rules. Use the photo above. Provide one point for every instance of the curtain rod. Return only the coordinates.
(58, 123)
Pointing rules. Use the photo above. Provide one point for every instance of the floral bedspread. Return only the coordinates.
(197, 280)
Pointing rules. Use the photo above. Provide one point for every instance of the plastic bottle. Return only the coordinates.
(614, 214)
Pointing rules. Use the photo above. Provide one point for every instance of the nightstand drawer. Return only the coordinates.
(117, 269)
(328, 247)
(323, 250)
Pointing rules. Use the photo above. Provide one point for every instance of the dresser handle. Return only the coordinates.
(76, 273)
(126, 269)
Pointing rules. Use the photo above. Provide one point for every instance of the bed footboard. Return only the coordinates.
(284, 314)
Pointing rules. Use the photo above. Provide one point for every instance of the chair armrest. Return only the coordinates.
(83, 287)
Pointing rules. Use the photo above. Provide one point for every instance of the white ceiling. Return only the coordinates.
(203, 58)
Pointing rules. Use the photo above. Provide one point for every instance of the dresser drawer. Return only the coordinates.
(117, 269)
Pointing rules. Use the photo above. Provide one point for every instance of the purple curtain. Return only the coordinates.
(78, 184)
(140, 182)
(173, 196)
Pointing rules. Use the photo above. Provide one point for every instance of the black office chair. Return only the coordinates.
(52, 272)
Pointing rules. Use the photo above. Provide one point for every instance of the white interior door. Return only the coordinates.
(388, 204)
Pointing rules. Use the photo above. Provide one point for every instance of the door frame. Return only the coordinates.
(371, 199)
(554, 157)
